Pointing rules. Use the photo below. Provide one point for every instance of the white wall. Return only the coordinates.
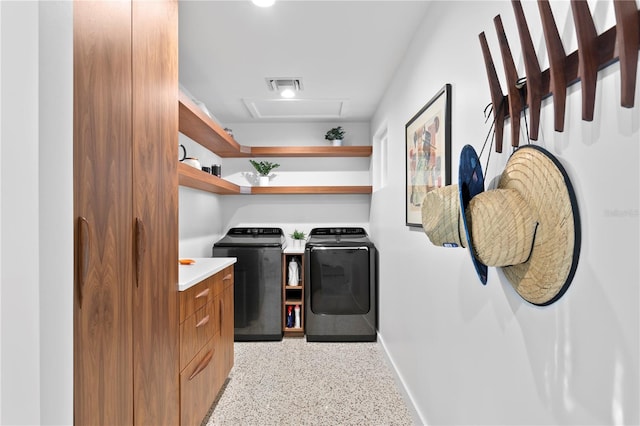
(474, 354)
(55, 167)
(20, 229)
(1, 258)
(37, 205)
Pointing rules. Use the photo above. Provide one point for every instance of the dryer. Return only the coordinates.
(341, 302)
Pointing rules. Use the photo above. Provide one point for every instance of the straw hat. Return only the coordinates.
(529, 226)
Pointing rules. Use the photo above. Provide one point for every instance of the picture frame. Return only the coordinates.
(428, 152)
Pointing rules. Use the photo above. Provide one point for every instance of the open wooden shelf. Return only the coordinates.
(311, 151)
(195, 124)
(198, 126)
(197, 179)
(292, 295)
(311, 189)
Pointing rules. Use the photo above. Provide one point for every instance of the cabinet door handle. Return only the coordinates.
(227, 277)
(203, 293)
(202, 365)
(83, 250)
(203, 321)
(220, 316)
(141, 247)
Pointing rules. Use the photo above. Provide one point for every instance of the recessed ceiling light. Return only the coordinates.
(287, 86)
(263, 3)
(288, 93)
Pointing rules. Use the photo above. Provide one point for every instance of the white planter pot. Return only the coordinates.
(263, 180)
(337, 142)
(297, 244)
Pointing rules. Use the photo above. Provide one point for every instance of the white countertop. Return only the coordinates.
(292, 250)
(204, 267)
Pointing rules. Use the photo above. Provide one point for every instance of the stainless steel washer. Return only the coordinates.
(341, 285)
(258, 281)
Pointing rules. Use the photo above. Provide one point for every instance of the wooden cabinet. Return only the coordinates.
(126, 336)
(206, 343)
(292, 294)
(195, 124)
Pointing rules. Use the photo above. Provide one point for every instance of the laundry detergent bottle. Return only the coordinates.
(293, 272)
(297, 316)
(289, 316)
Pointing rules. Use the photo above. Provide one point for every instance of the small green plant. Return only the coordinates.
(335, 133)
(263, 167)
(298, 235)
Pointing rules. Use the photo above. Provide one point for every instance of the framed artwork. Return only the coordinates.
(428, 152)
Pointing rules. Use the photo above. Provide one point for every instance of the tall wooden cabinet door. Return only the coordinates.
(155, 182)
(102, 343)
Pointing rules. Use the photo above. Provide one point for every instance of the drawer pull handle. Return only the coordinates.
(227, 277)
(83, 250)
(141, 248)
(202, 365)
(203, 293)
(220, 316)
(203, 321)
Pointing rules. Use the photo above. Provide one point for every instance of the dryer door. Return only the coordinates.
(339, 280)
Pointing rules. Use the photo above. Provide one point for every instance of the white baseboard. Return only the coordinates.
(417, 417)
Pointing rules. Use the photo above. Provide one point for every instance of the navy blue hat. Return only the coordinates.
(470, 184)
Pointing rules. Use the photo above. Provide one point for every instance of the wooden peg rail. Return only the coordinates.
(595, 52)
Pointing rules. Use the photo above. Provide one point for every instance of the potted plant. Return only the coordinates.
(298, 237)
(263, 168)
(335, 135)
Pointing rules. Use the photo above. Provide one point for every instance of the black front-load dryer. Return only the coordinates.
(341, 286)
(257, 290)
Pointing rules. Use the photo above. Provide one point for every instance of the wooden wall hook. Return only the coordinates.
(587, 55)
(627, 39)
(620, 42)
(532, 68)
(515, 100)
(498, 100)
(557, 58)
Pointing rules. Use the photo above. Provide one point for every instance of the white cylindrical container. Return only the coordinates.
(293, 272)
(296, 311)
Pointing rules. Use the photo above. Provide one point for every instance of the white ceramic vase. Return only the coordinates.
(337, 142)
(263, 180)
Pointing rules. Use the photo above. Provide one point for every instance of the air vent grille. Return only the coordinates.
(279, 83)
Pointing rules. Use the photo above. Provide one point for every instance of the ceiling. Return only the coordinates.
(344, 52)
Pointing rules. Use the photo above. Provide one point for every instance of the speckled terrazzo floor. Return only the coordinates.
(295, 382)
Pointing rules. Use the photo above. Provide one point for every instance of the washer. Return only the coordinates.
(341, 286)
(258, 281)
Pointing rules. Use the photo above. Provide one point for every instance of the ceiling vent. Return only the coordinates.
(278, 84)
(296, 108)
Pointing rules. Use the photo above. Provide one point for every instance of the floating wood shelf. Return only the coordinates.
(311, 190)
(197, 179)
(198, 126)
(311, 151)
(202, 129)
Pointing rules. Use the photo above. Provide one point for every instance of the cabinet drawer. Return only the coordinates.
(222, 279)
(227, 277)
(199, 385)
(196, 297)
(196, 330)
